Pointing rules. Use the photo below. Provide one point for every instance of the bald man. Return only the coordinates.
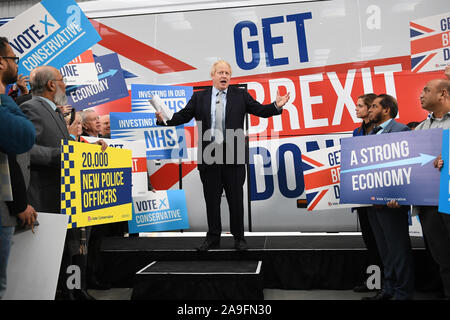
(435, 98)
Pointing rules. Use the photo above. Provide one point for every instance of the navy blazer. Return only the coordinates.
(239, 103)
(394, 126)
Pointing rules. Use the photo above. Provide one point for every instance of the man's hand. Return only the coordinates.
(159, 116)
(28, 216)
(393, 204)
(22, 82)
(447, 72)
(101, 143)
(65, 109)
(438, 162)
(281, 100)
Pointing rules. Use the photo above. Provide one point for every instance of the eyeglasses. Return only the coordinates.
(62, 79)
(16, 59)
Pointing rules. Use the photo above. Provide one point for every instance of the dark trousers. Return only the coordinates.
(368, 237)
(391, 230)
(436, 229)
(95, 268)
(215, 179)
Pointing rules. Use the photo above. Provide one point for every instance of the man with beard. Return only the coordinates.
(16, 136)
(49, 91)
(390, 223)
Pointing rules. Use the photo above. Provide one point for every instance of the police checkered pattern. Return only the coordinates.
(68, 205)
(5, 181)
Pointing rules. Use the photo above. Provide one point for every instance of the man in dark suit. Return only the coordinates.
(220, 113)
(390, 223)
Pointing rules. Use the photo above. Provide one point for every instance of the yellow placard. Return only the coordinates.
(95, 184)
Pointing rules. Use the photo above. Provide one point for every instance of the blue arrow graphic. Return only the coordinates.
(111, 72)
(423, 159)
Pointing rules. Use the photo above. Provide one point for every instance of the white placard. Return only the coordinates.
(35, 259)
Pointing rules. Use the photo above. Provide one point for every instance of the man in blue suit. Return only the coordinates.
(390, 223)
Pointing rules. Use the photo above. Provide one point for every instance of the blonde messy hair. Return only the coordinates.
(218, 62)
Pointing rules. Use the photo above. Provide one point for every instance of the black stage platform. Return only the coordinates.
(199, 280)
(327, 261)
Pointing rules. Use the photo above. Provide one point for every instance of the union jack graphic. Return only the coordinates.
(427, 45)
(313, 196)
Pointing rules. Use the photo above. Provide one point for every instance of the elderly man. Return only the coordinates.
(435, 98)
(91, 123)
(49, 91)
(220, 111)
(105, 128)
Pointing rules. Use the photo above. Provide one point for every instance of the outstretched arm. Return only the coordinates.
(281, 100)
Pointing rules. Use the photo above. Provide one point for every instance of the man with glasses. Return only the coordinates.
(16, 136)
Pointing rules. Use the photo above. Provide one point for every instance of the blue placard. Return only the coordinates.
(49, 33)
(444, 190)
(175, 97)
(395, 166)
(159, 211)
(111, 85)
(161, 142)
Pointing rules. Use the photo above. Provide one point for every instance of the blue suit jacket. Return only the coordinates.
(394, 126)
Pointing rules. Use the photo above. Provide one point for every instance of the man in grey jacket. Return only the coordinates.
(435, 98)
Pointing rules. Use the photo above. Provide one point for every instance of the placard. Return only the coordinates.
(35, 259)
(81, 70)
(139, 175)
(111, 85)
(395, 166)
(444, 188)
(430, 43)
(159, 211)
(49, 33)
(161, 142)
(175, 97)
(321, 171)
(95, 184)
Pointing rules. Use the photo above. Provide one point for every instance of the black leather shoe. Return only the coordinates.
(379, 296)
(208, 244)
(240, 244)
